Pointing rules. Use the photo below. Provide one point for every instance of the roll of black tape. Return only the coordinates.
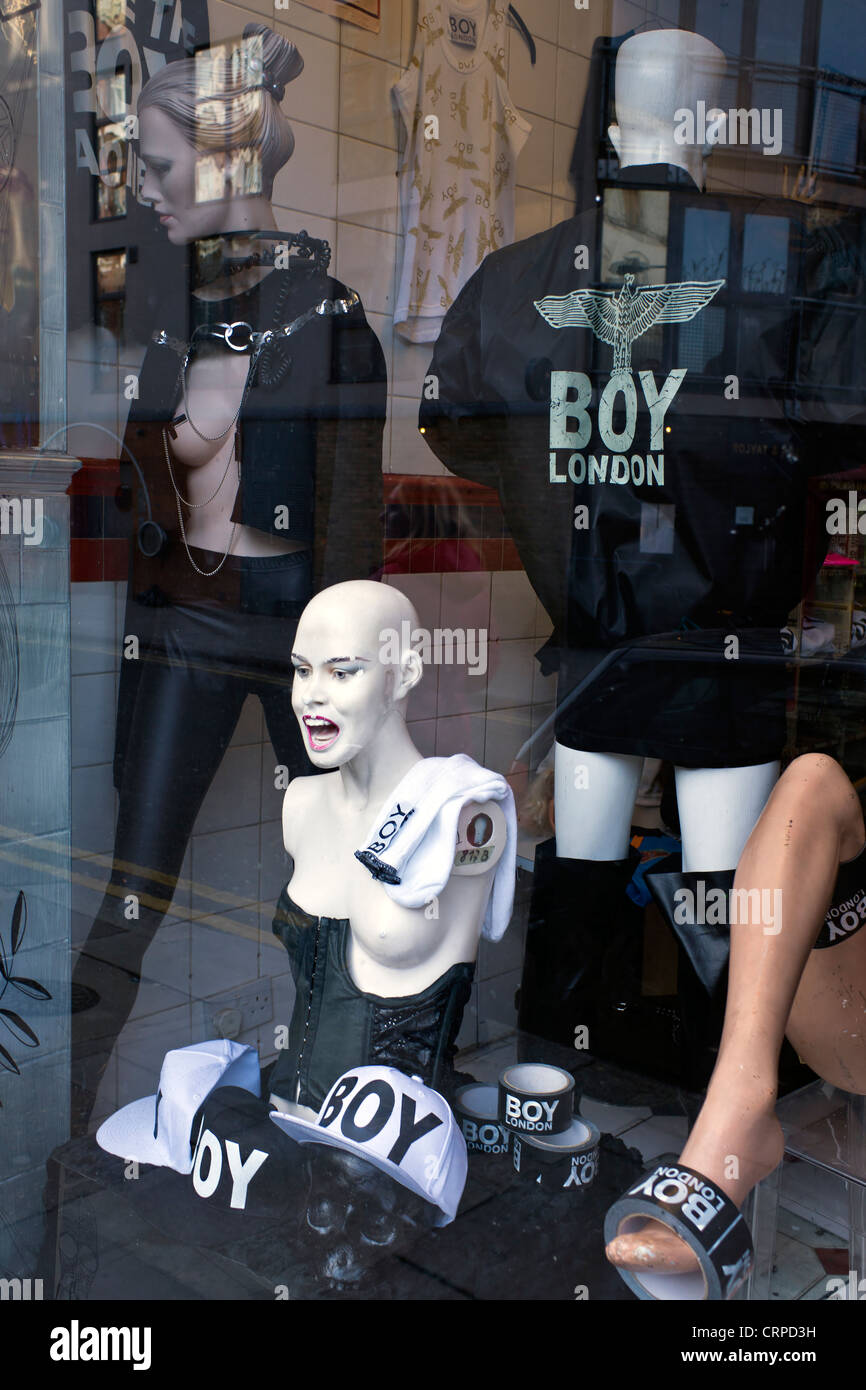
(701, 1215)
(475, 1108)
(535, 1098)
(565, 1160)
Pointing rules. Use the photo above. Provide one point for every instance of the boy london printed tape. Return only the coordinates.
(701, 1215)
(566, 1160)
(476, 1109)
(535, 1098)
(843, 918)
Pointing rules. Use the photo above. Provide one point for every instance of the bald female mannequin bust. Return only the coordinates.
(376, 980)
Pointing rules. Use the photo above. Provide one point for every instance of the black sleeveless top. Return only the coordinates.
(335, 1026)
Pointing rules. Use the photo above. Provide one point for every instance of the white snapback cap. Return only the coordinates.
(396, 1123)
(156, 1129)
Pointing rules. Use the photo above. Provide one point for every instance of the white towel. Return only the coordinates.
(410, 847)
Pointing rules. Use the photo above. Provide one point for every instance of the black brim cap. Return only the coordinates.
(247, 1178)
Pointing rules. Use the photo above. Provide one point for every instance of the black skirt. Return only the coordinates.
(680, 697)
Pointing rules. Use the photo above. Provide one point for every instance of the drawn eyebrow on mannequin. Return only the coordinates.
(331, 660)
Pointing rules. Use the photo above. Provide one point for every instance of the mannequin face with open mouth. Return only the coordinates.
(342, 693)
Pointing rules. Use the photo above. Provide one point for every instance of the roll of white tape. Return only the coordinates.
(701, 1215)
(536, 1098)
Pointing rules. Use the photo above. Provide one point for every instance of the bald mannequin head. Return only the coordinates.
(350, 682)
(658, 74)
(366, 602)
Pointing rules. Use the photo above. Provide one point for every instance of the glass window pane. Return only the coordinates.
(778, 37)
(753, 354)
(111, 151)
(780, 97)
(723, 23)
(702, 339)
(765, 254)
(836, 137)
(842, 44)
(705, 244)
(110, 273)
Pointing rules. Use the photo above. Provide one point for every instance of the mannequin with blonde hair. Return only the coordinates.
(219, 103)
(258, 481)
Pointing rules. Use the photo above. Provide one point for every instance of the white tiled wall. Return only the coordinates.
(340, 184)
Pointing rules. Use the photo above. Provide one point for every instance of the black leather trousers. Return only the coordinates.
(198, 662)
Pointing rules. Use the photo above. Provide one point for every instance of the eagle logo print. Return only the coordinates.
(620, 316)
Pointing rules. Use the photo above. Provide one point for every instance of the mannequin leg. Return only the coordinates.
(777, 984)
(577, 888)
(718, 809)
(594, 798)
(181, 728)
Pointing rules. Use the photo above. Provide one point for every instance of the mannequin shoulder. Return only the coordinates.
(304, 799)
(482, 831)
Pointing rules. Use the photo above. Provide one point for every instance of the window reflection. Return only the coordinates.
(110, 14)
(111, 152)
(706, 233)
(110, 290)
(765, 254)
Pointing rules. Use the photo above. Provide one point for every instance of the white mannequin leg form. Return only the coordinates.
(718, 808)
(594, 797)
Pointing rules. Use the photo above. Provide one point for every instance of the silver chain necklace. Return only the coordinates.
(194, 506)
(208, 574)
(239, 337)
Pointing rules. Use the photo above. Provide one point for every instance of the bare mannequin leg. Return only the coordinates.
(594, 796)
(737, 796)
(777, 984)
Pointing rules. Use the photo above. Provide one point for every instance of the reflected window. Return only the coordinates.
(761, 345)
(116, 89)
(228, 174)
(723, 23)
(111, 153)
(839, 126)
(778, 37)
(842, 43)
(702, 340)
(706, 234)
(839, 129)
(110, 15)
(239, 64)
(765, 254)
(109, 269)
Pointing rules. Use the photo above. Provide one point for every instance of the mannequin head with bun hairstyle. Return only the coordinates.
(213, 136)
